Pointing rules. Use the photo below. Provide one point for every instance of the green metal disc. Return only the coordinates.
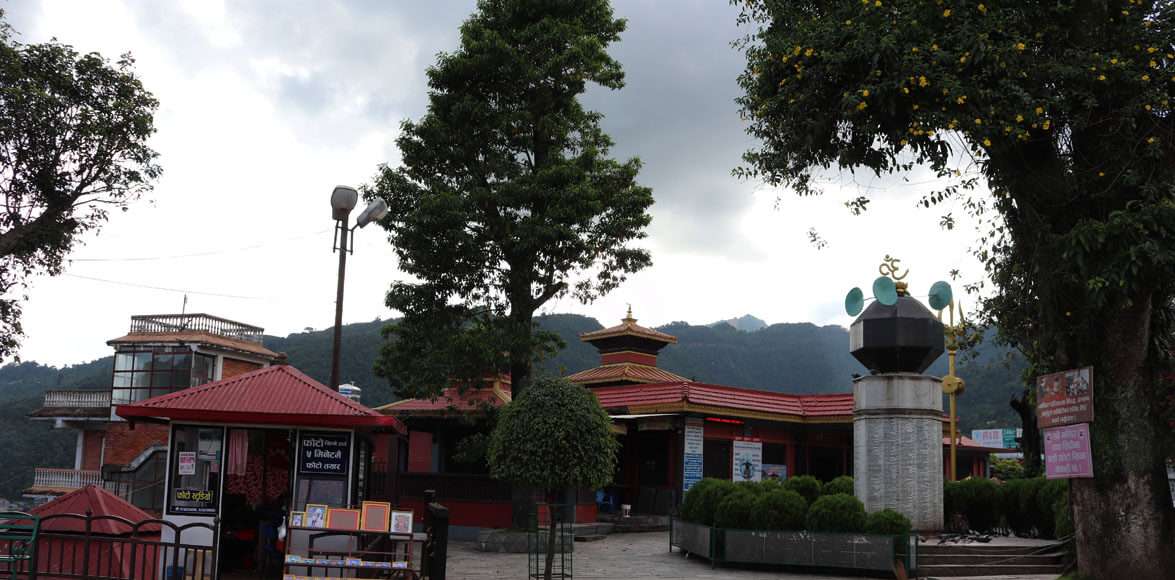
(854, 301)
(940, 295)
(885, 291)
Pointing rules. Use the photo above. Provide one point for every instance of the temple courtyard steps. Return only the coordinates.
(1003, 557)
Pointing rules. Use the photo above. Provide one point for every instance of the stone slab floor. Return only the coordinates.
(617, 557)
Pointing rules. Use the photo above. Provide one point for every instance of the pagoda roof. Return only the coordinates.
(274, 395)
(691, 396)
(624, 372)
(103, 505)
(451, 400)
(629, 327)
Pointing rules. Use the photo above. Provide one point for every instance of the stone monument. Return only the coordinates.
(897, 410)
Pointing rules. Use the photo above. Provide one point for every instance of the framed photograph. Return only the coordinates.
(315, 515)
(401, 522)
(297, 519)
(376, 515)
(342, 519)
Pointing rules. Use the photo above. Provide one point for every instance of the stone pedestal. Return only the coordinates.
(897, 446)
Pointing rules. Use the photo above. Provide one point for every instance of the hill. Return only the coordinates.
(795, 358)
(745, 323)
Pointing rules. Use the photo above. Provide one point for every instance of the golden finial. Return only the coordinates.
(889, 267)
(628, 317)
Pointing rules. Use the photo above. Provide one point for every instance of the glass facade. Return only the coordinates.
(140, 374)
(195, 470)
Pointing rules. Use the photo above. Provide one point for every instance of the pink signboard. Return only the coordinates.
(1066, 452)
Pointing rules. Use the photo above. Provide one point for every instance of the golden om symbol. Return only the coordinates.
(889, 267)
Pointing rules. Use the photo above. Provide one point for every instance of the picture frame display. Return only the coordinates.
(401, 522)
(297, 519)
(376, 516)
(342, 519)
(315, 515)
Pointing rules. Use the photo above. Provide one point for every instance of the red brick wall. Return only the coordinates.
(234, 367)
(124, 444)
(92, 449)
(420, 452)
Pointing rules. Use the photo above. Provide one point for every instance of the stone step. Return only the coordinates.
(591, 538)
(969, 559)
(931, 572)
(994, 549)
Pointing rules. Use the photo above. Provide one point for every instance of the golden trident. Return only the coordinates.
(952, 384)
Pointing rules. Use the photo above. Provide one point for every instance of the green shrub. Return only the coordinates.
(1047, 505)
(836, 513)
(1007, 469)
(770, 485)
(737, 510)
(701, 501)
(1063, 524)
(1019, 506)
(780, 509)
(842, 484)
(977, 500)
(887, 522)
(807, 486)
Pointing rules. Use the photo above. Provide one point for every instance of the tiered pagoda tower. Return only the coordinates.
(628, 355)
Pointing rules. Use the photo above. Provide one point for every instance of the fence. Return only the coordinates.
(53, 478)
(113, 548)
(77, 399)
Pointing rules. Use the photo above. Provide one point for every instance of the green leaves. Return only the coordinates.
(506, 197)
(73, 145)
(554, 436)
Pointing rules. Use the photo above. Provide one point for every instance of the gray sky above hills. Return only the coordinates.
(265, 106)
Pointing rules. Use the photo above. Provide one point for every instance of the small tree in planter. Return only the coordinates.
(554, 436)
(780, 509)
(839, 512)
(887, 522)
(807, 486)
(842, 484)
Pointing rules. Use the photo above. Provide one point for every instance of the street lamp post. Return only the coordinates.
(342, 201)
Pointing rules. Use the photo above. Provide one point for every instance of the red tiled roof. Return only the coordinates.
(973, 445)
(628, 327)
(627, 371)
(450, 400)
(98, 502)
(276, 395)
(197, 337)
(735, 399)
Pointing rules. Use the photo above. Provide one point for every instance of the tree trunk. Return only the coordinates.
(1030, 434)
(551, 509)
(1123, 518)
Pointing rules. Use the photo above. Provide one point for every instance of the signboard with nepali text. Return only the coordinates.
(748, 459)
(1067, 453)
(692, 458)
(1065, 398)
(324, 453)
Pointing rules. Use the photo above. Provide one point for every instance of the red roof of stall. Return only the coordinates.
(275, 395)
(735, 399)
(451, 400)
(97, 502)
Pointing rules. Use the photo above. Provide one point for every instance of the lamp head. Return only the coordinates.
(374, 212)
(342, 201)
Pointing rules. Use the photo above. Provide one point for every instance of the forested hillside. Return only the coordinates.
(796, 358)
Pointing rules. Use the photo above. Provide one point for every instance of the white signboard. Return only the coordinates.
(748, 460)
(187, 463)
(695, 430)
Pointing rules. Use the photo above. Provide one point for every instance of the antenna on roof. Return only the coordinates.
(183, 313)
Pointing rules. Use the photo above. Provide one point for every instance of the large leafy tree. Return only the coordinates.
(1063, 109)
(73, 146)
(506, 197)
(554, 437)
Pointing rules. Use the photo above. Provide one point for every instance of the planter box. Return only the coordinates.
(692, 538)
(802, 548)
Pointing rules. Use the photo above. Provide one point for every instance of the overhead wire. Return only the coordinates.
(202, 254)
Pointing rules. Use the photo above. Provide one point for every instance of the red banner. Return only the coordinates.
(1065, 398)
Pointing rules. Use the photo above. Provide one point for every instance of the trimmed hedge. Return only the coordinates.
(977, 500)
(701, 501)
(836, 513)
(842, 484)
(737, 510)
(1049, 504)
(887, 522)
(780, 509)
(807, 486)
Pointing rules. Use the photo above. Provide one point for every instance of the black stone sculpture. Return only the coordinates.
(905, 337)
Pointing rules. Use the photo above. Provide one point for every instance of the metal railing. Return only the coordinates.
(113, 548)
(159, 323)
(77, 399)
(50, 477)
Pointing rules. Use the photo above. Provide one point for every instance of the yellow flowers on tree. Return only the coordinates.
(1079, 241)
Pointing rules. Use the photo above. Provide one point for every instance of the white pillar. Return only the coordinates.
(897, 446)
(77, 454)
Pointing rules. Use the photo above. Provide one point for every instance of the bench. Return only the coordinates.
(18, 540)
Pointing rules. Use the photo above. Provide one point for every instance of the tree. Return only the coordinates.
(1063, 110)
(73, 146)
(554, 437)
(506, 197)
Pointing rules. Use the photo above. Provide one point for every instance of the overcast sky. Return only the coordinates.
(266, 105)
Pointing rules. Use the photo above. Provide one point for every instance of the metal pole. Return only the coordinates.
(954, 439)
(343, 226)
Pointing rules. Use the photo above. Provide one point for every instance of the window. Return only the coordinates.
(195, 470)
(716, 460)
(144, 373)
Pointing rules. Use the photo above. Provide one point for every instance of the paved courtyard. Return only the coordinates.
(619, 556)
(622, 557)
